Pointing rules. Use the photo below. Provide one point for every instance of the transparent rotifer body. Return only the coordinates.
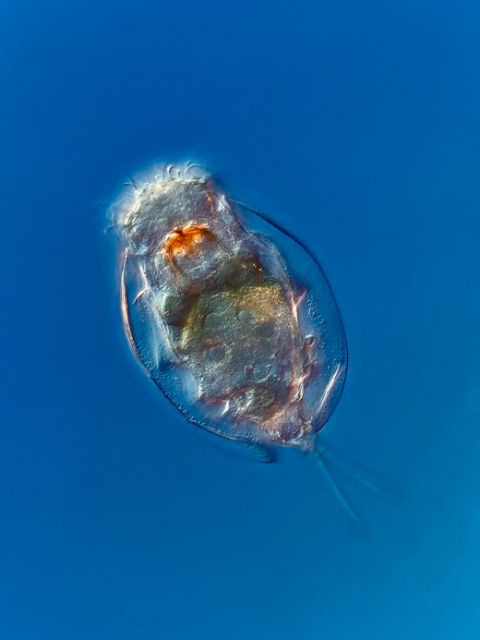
(234, 320)
(230, 315)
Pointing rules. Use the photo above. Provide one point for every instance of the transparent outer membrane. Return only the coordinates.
(229, 314)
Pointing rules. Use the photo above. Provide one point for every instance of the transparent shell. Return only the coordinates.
(230, 315)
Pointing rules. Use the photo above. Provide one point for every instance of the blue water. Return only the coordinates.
(356, 125)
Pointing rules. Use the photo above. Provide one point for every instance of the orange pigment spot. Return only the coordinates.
(185, 241)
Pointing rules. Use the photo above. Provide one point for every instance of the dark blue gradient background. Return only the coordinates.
(355, 124)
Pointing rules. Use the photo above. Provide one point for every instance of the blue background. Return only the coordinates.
(356, 124)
